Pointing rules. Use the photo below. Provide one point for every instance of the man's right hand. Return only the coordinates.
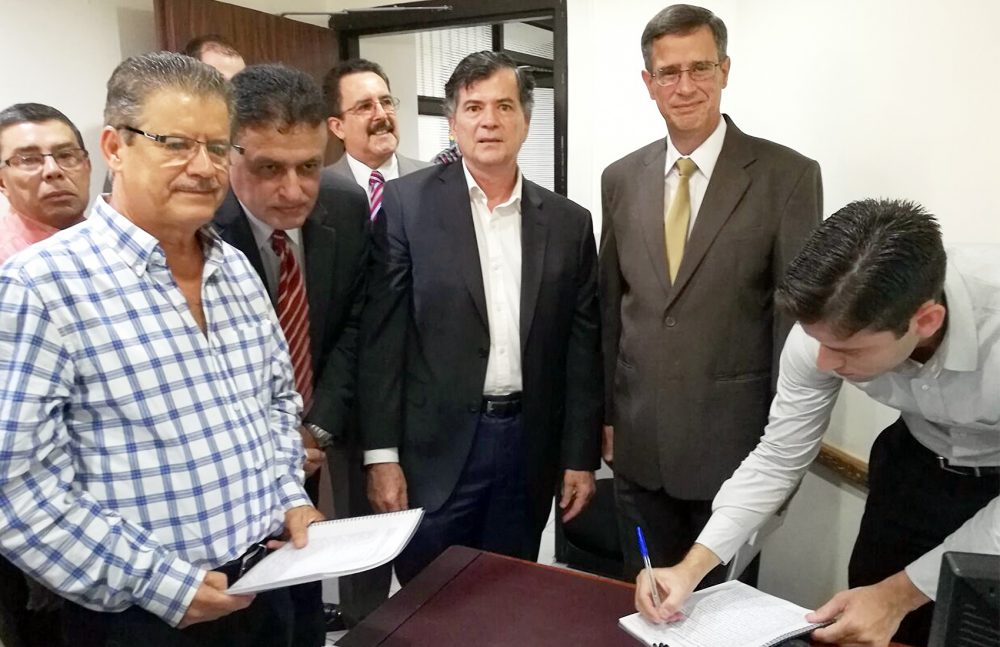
(386, 487)
(674, 585)
(210, 603)
(608, 444)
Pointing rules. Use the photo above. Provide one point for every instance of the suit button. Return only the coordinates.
(669, 322)
(484, 353)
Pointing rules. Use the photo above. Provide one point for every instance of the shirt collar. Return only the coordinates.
(959, 349)
(262, 231)
(476, 192)
(362, 172)
(139, 249)
(705, 156)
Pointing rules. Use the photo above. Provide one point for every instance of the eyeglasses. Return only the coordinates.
(181, 150)
(368, 109)
(67, 159)
(699, 71)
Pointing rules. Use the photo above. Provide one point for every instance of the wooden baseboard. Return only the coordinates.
(847, 466)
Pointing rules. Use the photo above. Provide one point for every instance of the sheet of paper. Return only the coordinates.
(335, 548)
(731, 614)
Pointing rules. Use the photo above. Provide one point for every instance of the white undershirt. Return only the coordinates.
(705, 156)
(363, 173)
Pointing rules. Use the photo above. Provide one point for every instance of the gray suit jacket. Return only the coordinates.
(690, 368)
(406, 166)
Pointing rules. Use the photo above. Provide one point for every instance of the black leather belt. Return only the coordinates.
(501, 406)
(235, 569)
(968, 470)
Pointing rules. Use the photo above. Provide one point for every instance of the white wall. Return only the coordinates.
(894, 98)
(397, 54)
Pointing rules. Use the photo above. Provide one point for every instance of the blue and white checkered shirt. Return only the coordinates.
(135, 450)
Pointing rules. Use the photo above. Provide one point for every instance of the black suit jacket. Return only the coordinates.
(690, 366)
(426, 336)
(335, 240)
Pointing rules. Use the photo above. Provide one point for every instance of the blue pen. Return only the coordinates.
(649, 567)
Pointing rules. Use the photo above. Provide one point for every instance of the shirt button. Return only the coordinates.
(669, 322)
(924, 387)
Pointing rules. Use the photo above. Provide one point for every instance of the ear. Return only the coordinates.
(336, 126)
(928, 319)
(111, 146)
(726, 64)
(3, 184)
(647, 78)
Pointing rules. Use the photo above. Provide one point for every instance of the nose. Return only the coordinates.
(51, 170)
(490, 114)
(378, 112)
(201, 164)
(828, 360)
(291, 187)
(685, 84)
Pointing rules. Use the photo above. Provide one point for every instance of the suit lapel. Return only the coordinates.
(319, 249)
(534, 234)
(649, 189)
(725, 190)
(455, 212)
(234, 228)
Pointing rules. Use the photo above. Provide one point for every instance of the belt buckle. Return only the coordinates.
(251, 557)
(966, 470)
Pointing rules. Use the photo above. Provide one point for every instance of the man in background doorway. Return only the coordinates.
(698, 227)
(218, 52)
(363, 116)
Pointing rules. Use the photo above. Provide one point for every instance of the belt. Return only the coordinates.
(235, 569)
(501, 406)
(968, 470)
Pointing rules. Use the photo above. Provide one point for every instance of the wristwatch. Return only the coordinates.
(322, 437)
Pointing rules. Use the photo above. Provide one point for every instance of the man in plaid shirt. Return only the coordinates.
(148, 417)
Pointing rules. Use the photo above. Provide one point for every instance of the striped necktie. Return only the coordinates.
(293, 315)
(375, 185)
(675, 225)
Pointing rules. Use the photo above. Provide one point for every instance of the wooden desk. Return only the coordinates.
(469, 597)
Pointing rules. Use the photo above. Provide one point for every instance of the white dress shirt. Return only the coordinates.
(705, 156)
(498, 236)
(262, 237)
(362, 173)
(951, 405)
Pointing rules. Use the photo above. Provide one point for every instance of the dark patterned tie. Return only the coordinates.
(293, 315)
(375, 185)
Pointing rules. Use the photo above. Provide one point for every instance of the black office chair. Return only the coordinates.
(590, 541)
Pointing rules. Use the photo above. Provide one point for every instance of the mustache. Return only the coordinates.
(383, 126)
(206, 185)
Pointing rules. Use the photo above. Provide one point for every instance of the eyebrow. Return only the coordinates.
(35, 148)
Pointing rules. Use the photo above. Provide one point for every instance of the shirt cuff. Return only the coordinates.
(925, 571)
(291, 494)
(386, 455)
(722, 536)
(171, 589)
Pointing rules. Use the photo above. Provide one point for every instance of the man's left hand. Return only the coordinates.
(314, 456)
(297, 522)
(868, 616)
(577, 490)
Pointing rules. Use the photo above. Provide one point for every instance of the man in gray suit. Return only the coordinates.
(697, 230)
(363, 116)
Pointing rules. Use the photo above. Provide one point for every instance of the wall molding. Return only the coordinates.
(845, 465)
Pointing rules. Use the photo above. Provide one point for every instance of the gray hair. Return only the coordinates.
(139, 77)
(682, 19)
(482, 65)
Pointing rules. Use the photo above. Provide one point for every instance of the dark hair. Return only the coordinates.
(209, 42)
(138, 77)
(482, 65)
(331, 82)
(682, 19)
(277, 95)
(36, 113)
(870, 266)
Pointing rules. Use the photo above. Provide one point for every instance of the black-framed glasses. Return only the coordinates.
(368, 108)
(181, 150)
(67, 159)
(699, 71)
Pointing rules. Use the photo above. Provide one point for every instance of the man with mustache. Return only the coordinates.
(44, 174)
(149, 445)
(362, 115)
(305, 235)
(698, 227)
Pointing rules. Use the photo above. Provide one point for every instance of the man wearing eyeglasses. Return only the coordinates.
(307, 236)
(44, 174)
(363, 116)
(149, 445)
(698, 228)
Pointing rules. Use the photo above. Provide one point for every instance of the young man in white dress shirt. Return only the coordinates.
(880, 305)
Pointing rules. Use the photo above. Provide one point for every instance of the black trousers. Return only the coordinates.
(489, 508)
(912, 506)
(670, 526)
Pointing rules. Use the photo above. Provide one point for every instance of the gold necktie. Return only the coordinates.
(675, 225)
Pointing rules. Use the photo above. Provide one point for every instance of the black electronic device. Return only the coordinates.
(967, 609)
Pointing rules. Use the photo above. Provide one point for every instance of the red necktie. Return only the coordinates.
(293, 315)
(375, 185)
